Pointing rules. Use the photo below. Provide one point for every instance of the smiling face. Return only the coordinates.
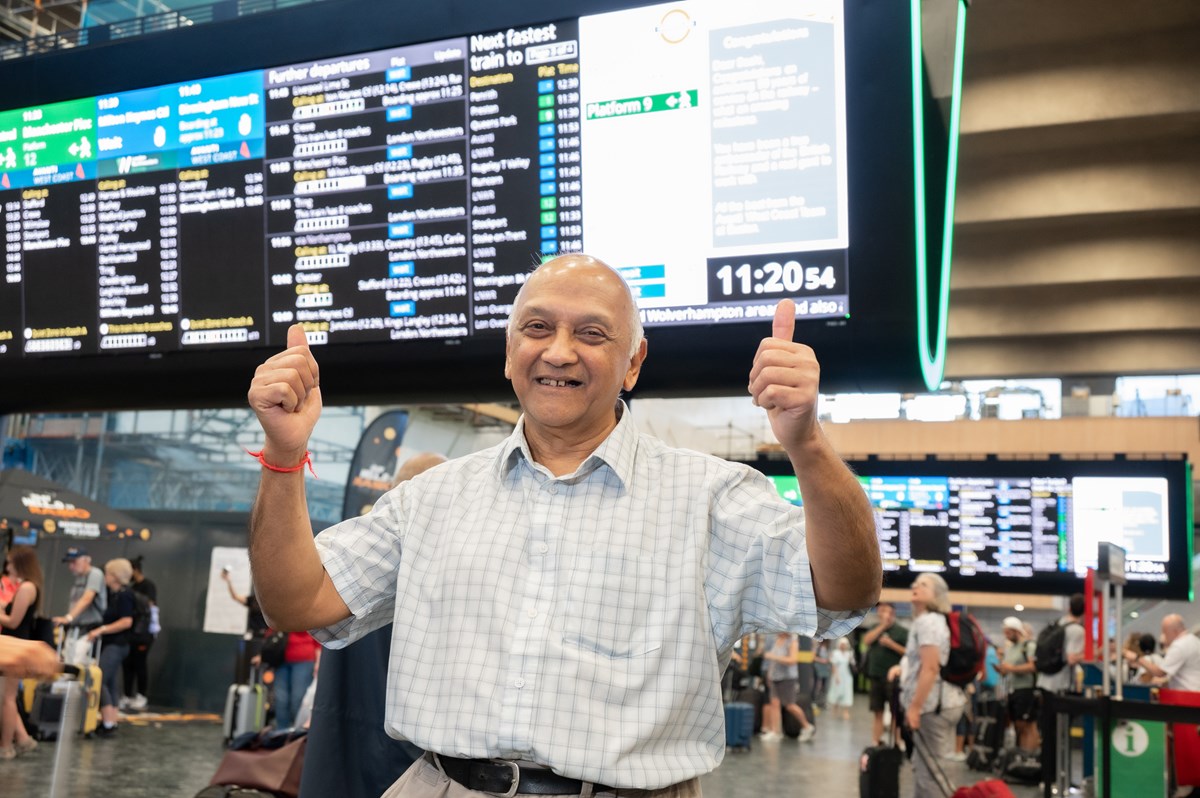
(568, 352)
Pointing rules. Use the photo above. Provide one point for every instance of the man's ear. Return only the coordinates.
(635, 366)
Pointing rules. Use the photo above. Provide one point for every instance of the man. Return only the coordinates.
(885, 643)
(89, 598)
(27, 658)
(1063, 680)
(1180, 667)
(1020, 674)
(564, 603)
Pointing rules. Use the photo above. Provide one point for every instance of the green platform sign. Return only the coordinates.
(62, 133)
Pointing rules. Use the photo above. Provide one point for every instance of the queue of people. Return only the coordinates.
(660, 560)
(99, 618)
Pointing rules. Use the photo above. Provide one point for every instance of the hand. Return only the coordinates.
(28, 658)
(913, 716)
(893, 673)
(256, 660)
(784, 381)
(285, 394)
(92, 635)
(60, 620)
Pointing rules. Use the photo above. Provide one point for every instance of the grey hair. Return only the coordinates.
(635, 316)
(941, 592)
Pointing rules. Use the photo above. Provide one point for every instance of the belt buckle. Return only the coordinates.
(516, 779)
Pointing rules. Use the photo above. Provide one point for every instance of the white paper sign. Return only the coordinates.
(222, 614)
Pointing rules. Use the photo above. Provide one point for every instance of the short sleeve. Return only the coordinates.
(759, 572)
(362, 556)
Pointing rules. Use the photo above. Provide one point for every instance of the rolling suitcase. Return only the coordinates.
(988, 735)
(755, 698)
(245, 707)
(739, 725)
(879, 768)
(879, 772)
(49, 698)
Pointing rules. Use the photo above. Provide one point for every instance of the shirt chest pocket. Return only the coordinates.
(609, 605)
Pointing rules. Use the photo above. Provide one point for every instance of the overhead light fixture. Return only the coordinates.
(1019, 607)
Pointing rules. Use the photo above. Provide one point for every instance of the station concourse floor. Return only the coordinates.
(169, 756)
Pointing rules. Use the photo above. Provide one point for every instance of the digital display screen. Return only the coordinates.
(404, 193)
(1023, 533)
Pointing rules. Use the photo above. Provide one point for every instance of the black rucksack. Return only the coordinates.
(139, 633)
(1050, 655)
(968, 648)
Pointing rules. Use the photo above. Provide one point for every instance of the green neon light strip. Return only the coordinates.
(1189, 477)
(933, 358)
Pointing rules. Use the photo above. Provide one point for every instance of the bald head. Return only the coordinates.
(417, 464)
(587, 271)
(1173, 627)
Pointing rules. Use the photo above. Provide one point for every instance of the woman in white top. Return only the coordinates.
(933, 706)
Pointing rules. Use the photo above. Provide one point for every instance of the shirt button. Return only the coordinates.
(532, 613)
(519, 683)
(542, 548)
(552, 489)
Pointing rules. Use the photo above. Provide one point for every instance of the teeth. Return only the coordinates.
(555, 383)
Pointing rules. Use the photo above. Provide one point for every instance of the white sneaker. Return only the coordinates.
(957, 756)
(138, 702)
(806, 734)
(123, 703)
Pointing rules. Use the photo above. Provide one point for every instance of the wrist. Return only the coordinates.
(69, 617)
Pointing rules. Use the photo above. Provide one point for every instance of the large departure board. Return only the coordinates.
(388, 177)
(404, 194)
(1027, 527)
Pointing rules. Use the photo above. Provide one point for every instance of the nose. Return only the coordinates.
(560, 350)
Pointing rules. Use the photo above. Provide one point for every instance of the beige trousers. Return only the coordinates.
(425, 780)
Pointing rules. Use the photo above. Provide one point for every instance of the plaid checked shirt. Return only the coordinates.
(581, 622)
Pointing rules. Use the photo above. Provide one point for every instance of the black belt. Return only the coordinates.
(486, 775)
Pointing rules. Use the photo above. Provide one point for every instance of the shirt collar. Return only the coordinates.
(616, 451)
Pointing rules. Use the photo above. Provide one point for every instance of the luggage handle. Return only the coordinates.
(931, 761)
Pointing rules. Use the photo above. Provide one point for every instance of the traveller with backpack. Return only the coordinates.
(141, 637)
(933, 703)
(1020, 674)
(1059, 649)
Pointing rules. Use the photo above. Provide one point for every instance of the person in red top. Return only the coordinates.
(293, 677)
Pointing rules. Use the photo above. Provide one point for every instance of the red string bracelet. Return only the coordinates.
(306, 461)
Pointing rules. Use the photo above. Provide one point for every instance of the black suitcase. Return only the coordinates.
(879, 772)
(791, 724)
(47, 713)
(989, 736)
(879, 767)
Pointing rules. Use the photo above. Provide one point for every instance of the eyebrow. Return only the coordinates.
(587, 318)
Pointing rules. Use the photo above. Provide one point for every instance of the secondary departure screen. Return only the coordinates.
(405, 193)
(1022, 527)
